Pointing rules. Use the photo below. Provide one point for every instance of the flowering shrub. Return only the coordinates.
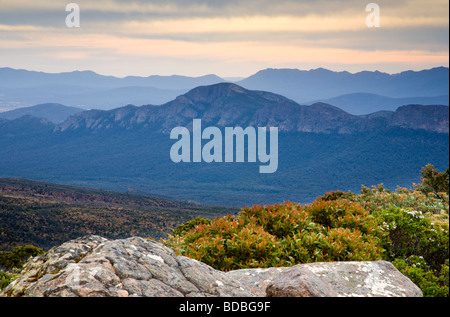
(379, 198)
(411, 233)
(433, 283)
(417, 221)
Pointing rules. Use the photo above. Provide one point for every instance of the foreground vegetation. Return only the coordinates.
(408, 227)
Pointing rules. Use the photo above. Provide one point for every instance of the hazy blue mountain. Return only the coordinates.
(86, 89)
(13, 78)
(322, 84)
(227, 104)
(55, 113)
(89, 98)
(321, 148)
(365, 103)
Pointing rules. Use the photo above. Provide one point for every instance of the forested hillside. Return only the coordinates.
(45, 214)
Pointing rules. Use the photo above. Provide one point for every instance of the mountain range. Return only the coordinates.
(229, 105)
(89, 90)
(358, 93)
(321, 147)
(318, 84)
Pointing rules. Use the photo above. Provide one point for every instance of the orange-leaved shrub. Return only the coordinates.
(283, 235)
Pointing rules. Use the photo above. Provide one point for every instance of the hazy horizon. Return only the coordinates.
(230, 78)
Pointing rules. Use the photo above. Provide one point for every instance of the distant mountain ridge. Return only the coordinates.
(13, 78)
(319, 84)
(88, 90)
(366, 103)
(55, 113)
(229, 105)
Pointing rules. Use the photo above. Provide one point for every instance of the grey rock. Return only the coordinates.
(299, 281)
(210, 281)
(96, 267)
(343, 279)
(256, 280)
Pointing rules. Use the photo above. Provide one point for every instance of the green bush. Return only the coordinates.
(411, 233)
(9, 261)
(5, 279)
(433, 283)
(417, 223)
(433, 181)
(27, 251)
(336, 195)
(379, 198)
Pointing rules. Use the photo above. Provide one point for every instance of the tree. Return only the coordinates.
(433, 181)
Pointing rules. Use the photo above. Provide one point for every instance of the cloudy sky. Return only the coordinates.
(230, 38)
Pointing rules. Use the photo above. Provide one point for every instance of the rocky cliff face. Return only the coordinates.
(96, 267)
(229, 105)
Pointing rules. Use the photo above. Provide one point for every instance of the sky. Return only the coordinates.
(229, 38)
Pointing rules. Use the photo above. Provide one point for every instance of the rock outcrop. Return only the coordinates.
(343, 279)
(136, 267)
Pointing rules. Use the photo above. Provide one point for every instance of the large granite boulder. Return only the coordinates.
(94, 266)
(137, 267)
(328, 279)
(343, 279)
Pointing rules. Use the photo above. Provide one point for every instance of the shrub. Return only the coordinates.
(417, 223)
(411, 233)
(283, 235)
(433, 283)
(336, 195)
(280, 220)
(228, 243)
(343, 214)
(9, 261)
(27, 251)
(379, 198)
(433, 181)
(182, 229)
(5, 279)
